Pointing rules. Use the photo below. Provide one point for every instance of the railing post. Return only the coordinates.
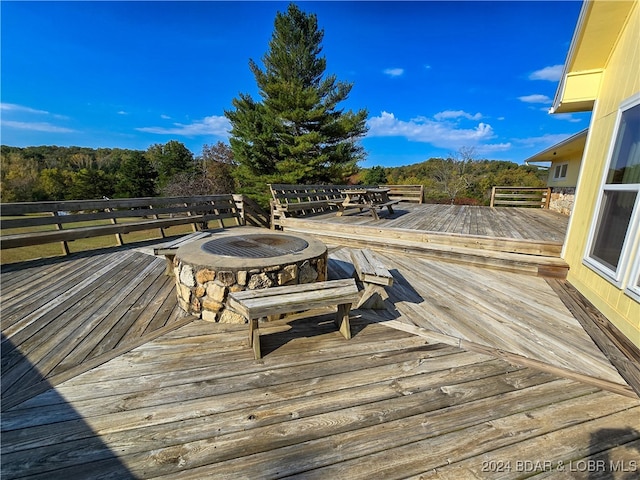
(240, 205)
(155, 216)
(493, 195)
(65, 246)
(547, 201)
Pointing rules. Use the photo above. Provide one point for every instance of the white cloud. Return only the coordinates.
(535, 98)
(552, 73)
(567, 117)
(15, 108)
(543, 141)
(492, 147)
(214, 125)
(36, 126)
(450, 114)
(22, 119)
(12, 107)
(165, 117)
(122, 112)
(441, 134)
(394, 72)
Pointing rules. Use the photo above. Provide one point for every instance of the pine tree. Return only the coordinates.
(296, 133)
(136, 177)
(169, 159)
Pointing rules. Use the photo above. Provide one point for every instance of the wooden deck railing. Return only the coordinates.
(406, 193)
(250, 212)
(39, 223)
(521, 196)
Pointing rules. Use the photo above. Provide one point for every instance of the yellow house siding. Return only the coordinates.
(582, 88)
(573, 168)
(620, 81)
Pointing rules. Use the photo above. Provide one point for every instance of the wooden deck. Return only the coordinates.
(503, 222)
(102, 377)
(519, 240)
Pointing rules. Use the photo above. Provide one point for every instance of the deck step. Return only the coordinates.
(444, 250)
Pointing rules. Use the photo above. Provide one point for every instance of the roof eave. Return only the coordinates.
(549, 152)
(557, 106)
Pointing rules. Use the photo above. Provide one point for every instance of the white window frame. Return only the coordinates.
(559, 170)
(628, 259)
(633, 289)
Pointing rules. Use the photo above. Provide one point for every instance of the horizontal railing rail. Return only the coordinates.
(406, 193)
(37, 223)
(521, 196)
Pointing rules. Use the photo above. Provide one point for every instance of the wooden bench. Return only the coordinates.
(379, 199)
(374, 276)
(64, 221)
(304, 200)
(406, 193)
(369, 198)
(255, 304)
(301, 200)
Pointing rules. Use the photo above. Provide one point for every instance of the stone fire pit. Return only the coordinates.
(246, 258)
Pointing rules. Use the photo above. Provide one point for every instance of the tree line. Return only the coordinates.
(459, 178)
(43, 173)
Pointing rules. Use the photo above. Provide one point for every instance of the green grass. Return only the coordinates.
(20, 254)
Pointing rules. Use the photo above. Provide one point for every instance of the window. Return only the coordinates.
(560, 172)
(616, 223)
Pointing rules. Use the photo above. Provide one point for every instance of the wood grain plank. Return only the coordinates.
(37, 355)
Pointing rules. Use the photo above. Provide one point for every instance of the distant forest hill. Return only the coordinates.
(66, 173)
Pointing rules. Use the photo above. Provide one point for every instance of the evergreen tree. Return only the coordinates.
(375, 176)
(296, 133)
(90, 184)
(136, 177)
(170, 159)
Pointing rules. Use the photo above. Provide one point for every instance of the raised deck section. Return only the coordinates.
(531, 256)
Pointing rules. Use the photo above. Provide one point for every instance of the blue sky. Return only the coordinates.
(434, 76)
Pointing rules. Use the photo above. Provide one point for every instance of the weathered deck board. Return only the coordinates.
(506, 222)
(482, 306)
(459, 303)
(83, 316)
(405, 409)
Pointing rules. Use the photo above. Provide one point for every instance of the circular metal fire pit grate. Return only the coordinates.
(255, 246)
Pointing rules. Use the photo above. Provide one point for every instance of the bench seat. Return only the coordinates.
(308, 205)
(256, 304)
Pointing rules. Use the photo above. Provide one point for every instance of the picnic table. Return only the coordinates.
(366, 198)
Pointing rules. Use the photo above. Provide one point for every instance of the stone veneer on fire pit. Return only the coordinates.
(243, 258)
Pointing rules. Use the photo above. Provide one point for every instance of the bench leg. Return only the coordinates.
(169, 267)
(374, 213)
(373, 297)
(254, 338)
(342, 320)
